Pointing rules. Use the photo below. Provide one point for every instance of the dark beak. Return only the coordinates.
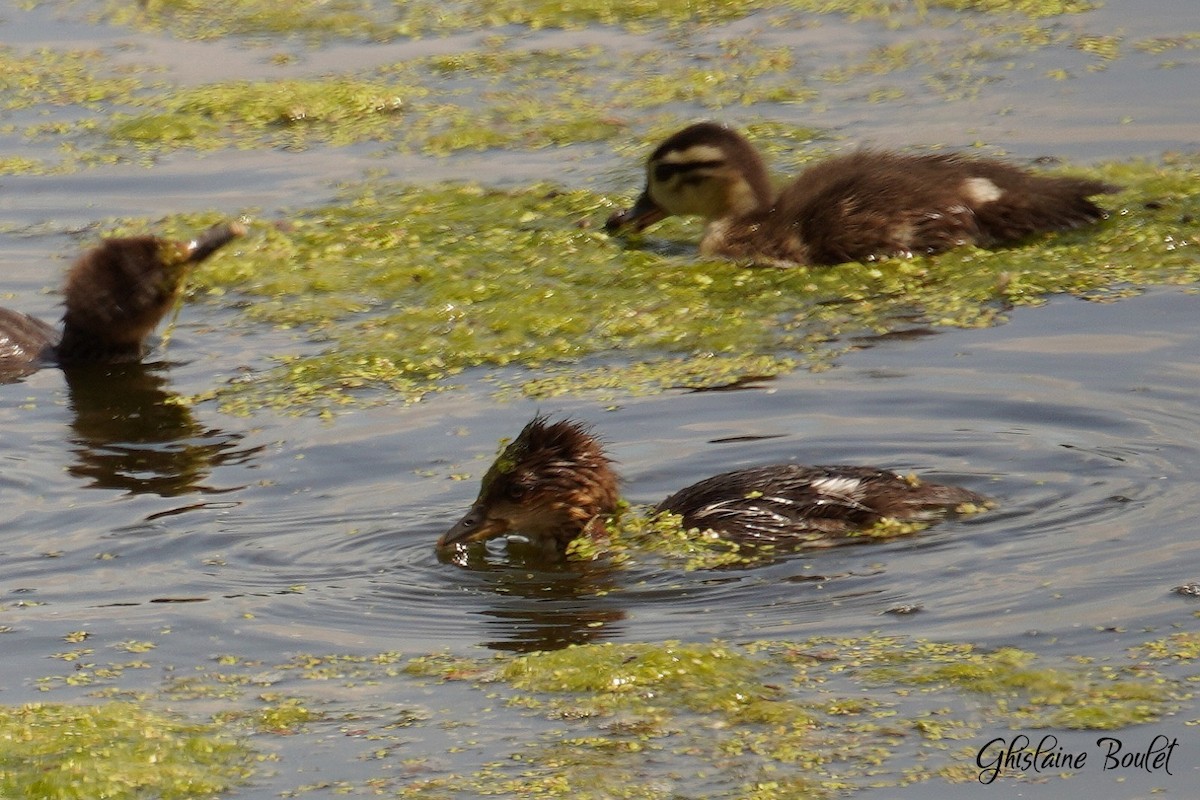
(213, 240)
(645, 212)
(475, 526)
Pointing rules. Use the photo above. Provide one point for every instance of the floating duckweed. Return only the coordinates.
(47, 77)
(160, 129)
(1107, 48)
(702, 678)
(701, 719)
(288, 113)
(498, 97)
(115, 750)
(702, 371)
(1086, 698)
(315, 20)
(637, 533)
(284, 715)
(318, 21)
(540, 103)
(1182, 646)
(19, 165)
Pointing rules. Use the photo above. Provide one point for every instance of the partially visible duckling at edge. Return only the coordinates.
(554, 483)
(858, 207)
(115, 295)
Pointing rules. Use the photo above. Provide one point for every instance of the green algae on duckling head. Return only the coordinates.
(414, 286)
(116, 750)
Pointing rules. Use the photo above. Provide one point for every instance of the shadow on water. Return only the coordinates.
(131, 432)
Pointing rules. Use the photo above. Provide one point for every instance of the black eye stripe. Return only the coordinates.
(664, 171)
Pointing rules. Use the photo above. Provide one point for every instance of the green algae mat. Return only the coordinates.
(768, 720)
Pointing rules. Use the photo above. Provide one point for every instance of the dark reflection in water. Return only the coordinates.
(131, 433)
(534, 603)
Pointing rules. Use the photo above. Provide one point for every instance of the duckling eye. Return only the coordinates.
(692, 171)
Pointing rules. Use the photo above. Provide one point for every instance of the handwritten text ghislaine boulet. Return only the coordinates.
(1002, 755)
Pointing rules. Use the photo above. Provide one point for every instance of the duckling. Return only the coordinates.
(115, 295)
(554, 483)
(858, 207)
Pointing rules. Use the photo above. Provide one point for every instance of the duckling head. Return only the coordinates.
(705, 170)
(116, 293)
(551, 484)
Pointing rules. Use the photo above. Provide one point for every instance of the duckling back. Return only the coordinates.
(814, 506)
(870, 205)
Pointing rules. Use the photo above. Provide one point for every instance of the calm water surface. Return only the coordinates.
(137, 520)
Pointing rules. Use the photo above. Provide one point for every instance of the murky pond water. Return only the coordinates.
(139, 520)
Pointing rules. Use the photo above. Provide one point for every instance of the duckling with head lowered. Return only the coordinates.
(554, 483)
(115, 295)
(858, 207)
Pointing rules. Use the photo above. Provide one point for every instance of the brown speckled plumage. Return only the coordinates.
(115, 295)
(858, 207)
(554, 483)
(816, 504)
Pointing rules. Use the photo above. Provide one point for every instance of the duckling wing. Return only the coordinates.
(1026, 203)
(812, 504)
(24, 343)
(784, 500)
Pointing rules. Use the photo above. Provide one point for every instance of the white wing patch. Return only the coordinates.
(981, 190)
(838, 487)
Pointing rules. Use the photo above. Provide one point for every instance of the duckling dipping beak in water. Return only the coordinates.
(858, 207)
(551, 484)
(115, 295)
(554, 483)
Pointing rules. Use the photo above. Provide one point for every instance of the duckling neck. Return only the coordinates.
(751, 194)
(79, 347)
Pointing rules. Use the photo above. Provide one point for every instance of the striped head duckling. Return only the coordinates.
(862, 206)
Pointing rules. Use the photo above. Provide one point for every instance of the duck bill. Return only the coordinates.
(475, 526)
(645, 212)
(213, 240)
